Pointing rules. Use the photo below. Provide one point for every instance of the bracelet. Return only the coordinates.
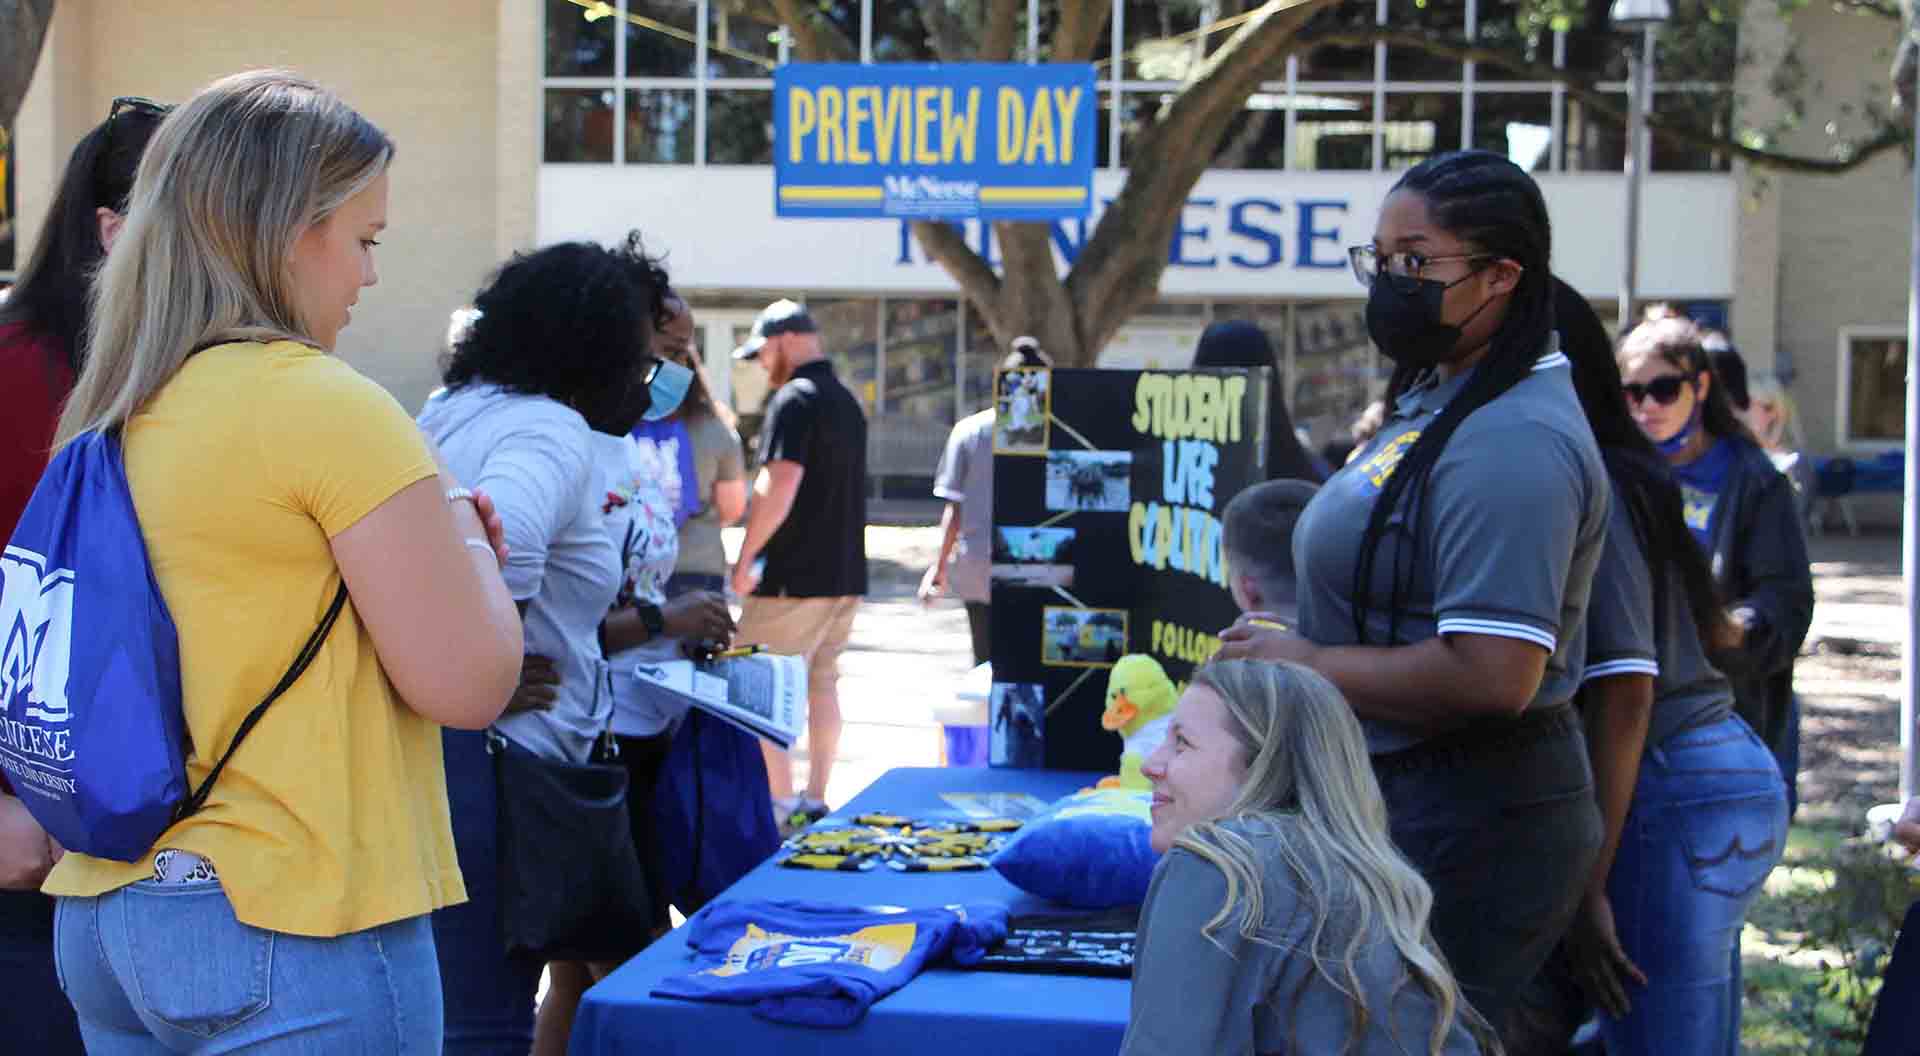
(483, 546)
(459, 494)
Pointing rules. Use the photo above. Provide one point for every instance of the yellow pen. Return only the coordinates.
(736, 653)
(1268, 624)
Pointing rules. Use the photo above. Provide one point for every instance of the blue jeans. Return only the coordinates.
(489, 996)
(1708, 823)
(156, 969)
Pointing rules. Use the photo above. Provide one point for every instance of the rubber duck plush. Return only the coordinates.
(1140, 700)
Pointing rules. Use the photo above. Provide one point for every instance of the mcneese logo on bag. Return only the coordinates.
(92, 737)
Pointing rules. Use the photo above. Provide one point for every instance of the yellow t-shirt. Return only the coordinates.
(332, 815)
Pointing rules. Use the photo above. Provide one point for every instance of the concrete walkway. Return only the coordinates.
(906, 658)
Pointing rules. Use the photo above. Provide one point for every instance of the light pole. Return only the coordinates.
(1645, 16)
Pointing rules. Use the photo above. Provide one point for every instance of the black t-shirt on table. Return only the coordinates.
(820, 551)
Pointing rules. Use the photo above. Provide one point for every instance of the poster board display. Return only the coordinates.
(1107, 491)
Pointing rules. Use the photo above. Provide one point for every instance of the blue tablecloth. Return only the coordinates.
(976, 1013)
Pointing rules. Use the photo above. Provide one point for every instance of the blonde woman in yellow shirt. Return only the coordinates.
(290, 914)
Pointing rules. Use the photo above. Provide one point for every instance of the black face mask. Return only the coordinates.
(618, 413)
(1405, 324)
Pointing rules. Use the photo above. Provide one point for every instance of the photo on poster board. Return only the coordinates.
(1018, 736)
(1033, 557)
(1071, 637)
(1089, 481)
(1023, 409)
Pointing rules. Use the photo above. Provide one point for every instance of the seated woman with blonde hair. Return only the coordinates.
(1282, 919)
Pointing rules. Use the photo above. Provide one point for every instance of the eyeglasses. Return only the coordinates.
(124, 104)
(1664, 389)
(1369, 264)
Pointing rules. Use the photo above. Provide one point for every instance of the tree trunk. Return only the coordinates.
(23, 28)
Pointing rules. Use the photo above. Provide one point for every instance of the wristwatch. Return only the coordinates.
(651, 618)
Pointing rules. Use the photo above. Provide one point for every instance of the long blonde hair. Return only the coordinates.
(1310, 784)
(228, 183)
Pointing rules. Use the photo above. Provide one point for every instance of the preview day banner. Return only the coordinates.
(1107, 492)
(952, 141)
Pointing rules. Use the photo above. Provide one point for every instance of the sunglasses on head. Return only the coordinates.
(126, 104)
(1664, 389)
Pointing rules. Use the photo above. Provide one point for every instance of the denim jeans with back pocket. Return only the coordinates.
(1708, 823)
(158, 968)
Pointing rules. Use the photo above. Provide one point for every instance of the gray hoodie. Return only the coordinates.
(536, 458)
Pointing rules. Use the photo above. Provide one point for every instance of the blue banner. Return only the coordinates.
(959, 141)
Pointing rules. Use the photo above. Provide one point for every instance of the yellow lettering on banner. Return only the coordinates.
(1235, 396)
(1013, 124)
(1067, 101)
(801, 113)
(1206, 392)
(862, 104)
(1136, 533)
(1040, 131)
(962, 130)
(892, 126)
(831, 105)
(924, 115)
(1149, 403)
(1180, 408)
(1163, 531)
(1183, 643)
(1187, 406)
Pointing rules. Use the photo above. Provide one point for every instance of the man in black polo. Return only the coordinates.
(808, 525)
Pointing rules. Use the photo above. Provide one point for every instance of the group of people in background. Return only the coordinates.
(1504, 742)
(551, 521)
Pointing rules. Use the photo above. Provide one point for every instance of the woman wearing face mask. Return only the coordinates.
(542, 389)
(1452, 620)
(1676, 769)
(43, 321)
(1742, 512)
(1282, 919)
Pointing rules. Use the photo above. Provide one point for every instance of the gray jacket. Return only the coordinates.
(1191, 996)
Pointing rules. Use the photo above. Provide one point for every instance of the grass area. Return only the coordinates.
(1816, 942)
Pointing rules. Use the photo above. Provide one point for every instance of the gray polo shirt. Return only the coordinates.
(1510, 528)
(965, 477)
(1623, 639)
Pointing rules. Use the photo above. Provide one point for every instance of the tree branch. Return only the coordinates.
(1127, 252)
(815, 37)
(1079, 29)
(1002, 25)
(947, 247)
(1849, 156)
(23, 29)
(948, 32)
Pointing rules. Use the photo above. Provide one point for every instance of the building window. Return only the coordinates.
(1873, 386)
(1329, 108)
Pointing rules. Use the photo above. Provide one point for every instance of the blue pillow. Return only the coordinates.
(1091, 850)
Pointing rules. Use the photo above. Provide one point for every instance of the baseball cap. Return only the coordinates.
(780, 317)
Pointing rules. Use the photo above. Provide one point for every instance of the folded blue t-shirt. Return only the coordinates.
(819, 964)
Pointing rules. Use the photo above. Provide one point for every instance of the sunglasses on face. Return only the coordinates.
(1664, 389)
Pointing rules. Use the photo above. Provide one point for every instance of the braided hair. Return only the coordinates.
(1645, 482)
(1490, 203)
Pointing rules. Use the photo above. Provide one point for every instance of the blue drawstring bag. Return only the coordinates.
(92, 736)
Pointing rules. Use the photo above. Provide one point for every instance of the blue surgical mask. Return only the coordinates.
(667, 390)
(1677, 443)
